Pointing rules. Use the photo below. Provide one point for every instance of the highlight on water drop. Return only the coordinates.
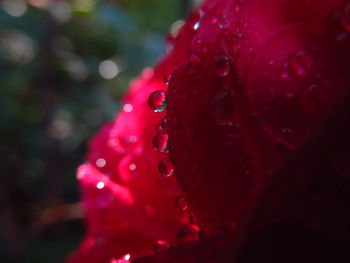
(160, 142)
(189, 233)
(160, 247)
(157, 101)
(165, 168)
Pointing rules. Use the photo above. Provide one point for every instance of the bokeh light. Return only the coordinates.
(65, 66)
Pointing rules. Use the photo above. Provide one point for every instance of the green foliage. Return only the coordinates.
(63, 68)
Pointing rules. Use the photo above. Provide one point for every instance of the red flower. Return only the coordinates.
(128, 205)
(259, 80)
(252, 82)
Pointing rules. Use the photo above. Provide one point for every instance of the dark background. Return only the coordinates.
(64, 66)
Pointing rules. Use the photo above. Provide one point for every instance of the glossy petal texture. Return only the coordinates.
(251, 81)
(259, 79)
(128, 204)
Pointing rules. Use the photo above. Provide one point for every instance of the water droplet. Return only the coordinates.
(100, 185)
(132, 167)
(181, 203)
(345, 19)
(222, 66)
(301, 63)
(164, 123)
(160, 142)
(157, 101)
(160, 247)
(128, 107)
(193, 19)
(223, 107)
(188, 234)
(284, 74)
(165, 168)
(167, 79)
(197, 25)
(100, 162)
(222, 25)
(214, 20)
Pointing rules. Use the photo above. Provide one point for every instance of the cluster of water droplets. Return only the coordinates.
(157, 101)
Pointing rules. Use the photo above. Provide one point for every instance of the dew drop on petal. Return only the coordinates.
(132, 167)
(301, 63)
(167, 79)
(160, 142)
(100, 162)
(128, 107)
(157, 101)
(197, 25)
(345, 19)
(188, 234)
(100, 185)
(222, 25)
(163, 124)
(193, 20)
(222, 66)
(160, 247)
(181, 203)
(165, 168)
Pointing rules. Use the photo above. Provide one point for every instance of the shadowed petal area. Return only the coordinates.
(259, 80)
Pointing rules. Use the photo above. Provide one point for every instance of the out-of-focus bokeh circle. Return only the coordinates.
(64, 66)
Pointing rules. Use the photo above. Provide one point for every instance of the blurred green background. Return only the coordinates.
(64, 65)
